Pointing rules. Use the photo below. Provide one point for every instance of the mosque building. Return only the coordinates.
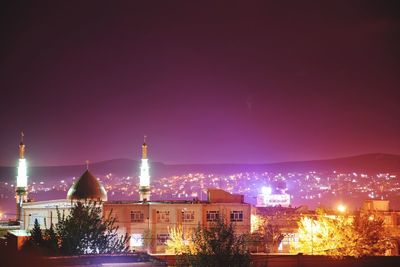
(146, 222)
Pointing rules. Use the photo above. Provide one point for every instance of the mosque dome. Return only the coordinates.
(87, 187)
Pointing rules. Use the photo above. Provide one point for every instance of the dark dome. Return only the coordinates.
(87, 187)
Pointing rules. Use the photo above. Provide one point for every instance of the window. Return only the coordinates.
(163, 216)
(212, 215)
(236, 216)
(162, 239)
(188, 216)
(137, 216)
(136, 240)
(290, 240)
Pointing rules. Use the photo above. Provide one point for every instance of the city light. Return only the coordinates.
(266, 191)
(341, 208)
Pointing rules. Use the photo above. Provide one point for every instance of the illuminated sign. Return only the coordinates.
(265, 200)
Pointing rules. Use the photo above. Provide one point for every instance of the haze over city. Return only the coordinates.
(207, 83)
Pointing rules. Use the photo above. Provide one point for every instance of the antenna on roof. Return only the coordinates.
(144, 139)
(22, 136)
(87, 164)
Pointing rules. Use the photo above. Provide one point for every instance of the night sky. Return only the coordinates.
(226, 82)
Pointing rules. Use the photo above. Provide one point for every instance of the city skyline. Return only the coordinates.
(207, 83)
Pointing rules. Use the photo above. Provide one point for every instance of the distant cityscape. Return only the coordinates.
(304, 188)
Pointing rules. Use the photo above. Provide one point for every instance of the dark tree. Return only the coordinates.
(85, 231)
(51, 240)
(218, 246)
(36, 234)
(273, 236)
(370, 236)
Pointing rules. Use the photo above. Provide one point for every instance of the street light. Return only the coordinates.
(341, 208)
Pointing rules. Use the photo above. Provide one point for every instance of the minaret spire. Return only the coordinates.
(22, 147)
(21, 193)
(144, 148)
(144, 187)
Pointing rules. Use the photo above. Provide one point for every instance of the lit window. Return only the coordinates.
(162, 239)
(237, 216)
(136, 240)
(212, 215)
(163, 216)
(137, 216)
(188, 216)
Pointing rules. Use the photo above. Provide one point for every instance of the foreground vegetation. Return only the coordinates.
(342, 235)
(84, 231)
(215, 246)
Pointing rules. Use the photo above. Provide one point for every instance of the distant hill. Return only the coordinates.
(368, 163)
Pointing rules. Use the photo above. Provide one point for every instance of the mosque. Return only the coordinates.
(146, 222)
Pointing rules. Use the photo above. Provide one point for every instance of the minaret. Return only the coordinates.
(144, 187)
(21, 192)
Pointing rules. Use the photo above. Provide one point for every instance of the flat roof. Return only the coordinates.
(19, 232)
(156, 202)
(48, 203)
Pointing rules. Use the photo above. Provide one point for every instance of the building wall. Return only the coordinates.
(236, 213)
(148, 223)
(159, 217)
(215, 195)
(376, 205)
(45, 212)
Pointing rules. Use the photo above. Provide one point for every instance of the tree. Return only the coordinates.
(340, 236)
(371, 237)
(217, 246)
(85, 231)
(323, 235)
(268, 230)
(180, 241)
(51, 240)
(36, 234)
(273, 236)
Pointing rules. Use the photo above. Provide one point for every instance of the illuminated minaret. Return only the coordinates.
(21, 192)
(144, 187)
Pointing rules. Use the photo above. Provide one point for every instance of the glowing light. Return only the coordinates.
(341, 208)
(266, 190)
(144, 173)
(256, 223)
(136, 240)
(22, 178)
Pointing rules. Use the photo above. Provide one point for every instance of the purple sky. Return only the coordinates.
(208, 83)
